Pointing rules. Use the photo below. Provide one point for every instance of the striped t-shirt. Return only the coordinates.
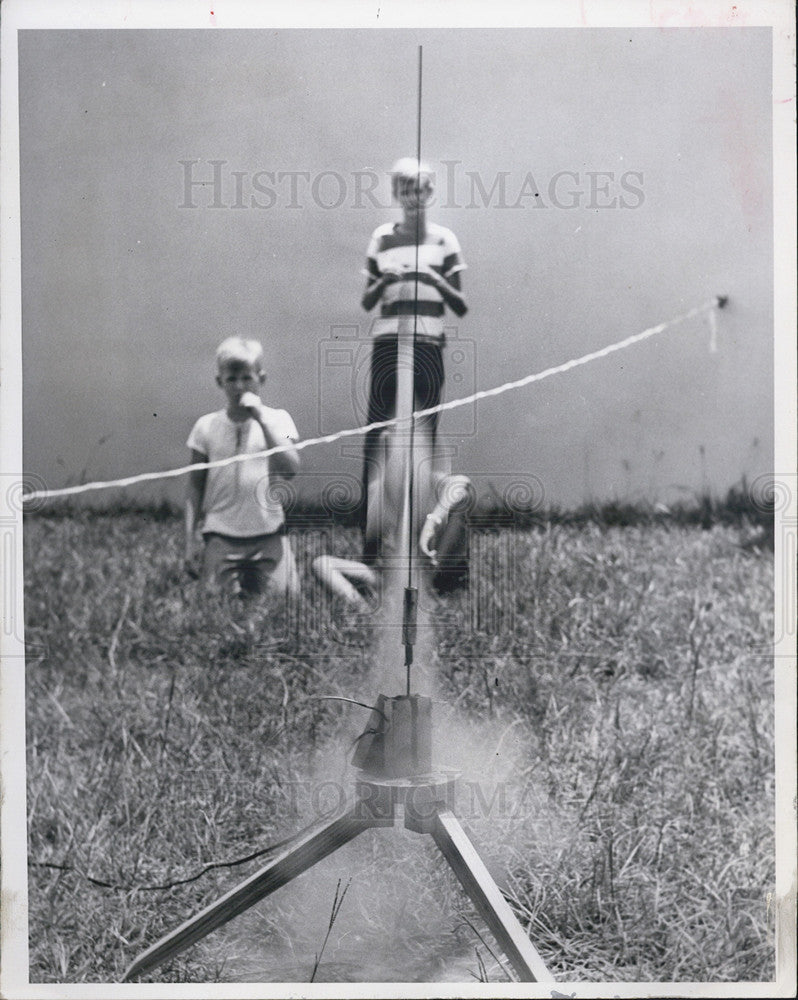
(392, 249)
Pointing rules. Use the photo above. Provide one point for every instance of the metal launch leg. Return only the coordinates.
(314, 846)
(485, 895)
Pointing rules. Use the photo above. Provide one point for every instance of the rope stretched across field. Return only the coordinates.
(718, 302)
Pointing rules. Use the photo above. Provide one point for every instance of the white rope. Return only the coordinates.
(353, 431)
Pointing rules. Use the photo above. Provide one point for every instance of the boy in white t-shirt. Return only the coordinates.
(242, 522)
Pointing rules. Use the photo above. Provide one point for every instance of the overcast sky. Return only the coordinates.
(600, 181)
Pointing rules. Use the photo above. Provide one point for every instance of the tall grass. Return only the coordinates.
(610, 708)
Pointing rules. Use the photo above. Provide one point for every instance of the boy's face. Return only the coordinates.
(238, 377)
(412, 192)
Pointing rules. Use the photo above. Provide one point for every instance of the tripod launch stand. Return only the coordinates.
(387, 790)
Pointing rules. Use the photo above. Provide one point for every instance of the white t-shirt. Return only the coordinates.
(237, 499)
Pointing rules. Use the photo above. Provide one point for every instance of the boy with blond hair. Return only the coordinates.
(413, 270)
(242, 522)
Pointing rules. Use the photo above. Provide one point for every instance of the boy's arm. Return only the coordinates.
(376, 286)
(453, 497)
(284, 463)
(333, 573)
(195, 491)
(448, 288)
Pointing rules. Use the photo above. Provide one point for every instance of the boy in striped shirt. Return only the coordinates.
(413, 269)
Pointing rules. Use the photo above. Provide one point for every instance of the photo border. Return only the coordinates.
(18, 15)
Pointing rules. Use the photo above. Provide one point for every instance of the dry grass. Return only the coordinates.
(612, 715)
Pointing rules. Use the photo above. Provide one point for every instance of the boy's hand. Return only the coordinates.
(251, 401)
(426, 277)
(392, 274)
(426, 540)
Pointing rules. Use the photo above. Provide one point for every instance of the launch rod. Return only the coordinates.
(411, 477)
(405, 542)
(405, 395)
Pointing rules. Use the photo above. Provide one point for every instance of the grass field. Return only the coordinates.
(609, 702)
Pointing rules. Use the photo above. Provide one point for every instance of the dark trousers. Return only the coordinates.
(427, 388)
